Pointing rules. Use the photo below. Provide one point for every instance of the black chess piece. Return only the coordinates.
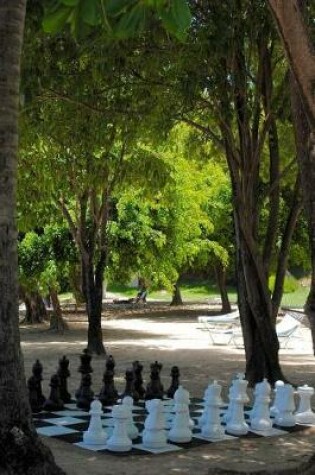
(64, 373)
(37, 371)
(54, 402)
(138, 380)
(110, 363)
(85, 366)
(109, 394)
(130, 387)
(155, 388)
(84, 394)
(32, 385)
(174, 383)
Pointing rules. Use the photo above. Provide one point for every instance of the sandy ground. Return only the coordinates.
(171, 336)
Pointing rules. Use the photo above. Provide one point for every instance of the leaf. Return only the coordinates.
(131, 22)
(117, 7)
(53, 22)
(182, 14)
(70, 3)
(90, 12)
(176, 18)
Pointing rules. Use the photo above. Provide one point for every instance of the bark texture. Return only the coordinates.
(21, 451)
(299, 50)
(220, 274)
(57, 321)
(177, 297)
(305, 145)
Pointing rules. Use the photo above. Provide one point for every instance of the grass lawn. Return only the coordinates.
(198, 291)
(203, 291)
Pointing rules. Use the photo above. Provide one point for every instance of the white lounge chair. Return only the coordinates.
(207, 322)
(286, 329)
(221, 324)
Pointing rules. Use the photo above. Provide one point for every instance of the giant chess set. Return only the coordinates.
(151, 420)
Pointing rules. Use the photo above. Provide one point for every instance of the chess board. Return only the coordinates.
(69, 424)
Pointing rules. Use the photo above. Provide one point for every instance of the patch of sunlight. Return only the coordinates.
(51, 343)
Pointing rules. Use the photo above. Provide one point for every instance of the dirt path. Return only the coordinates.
(172, 337)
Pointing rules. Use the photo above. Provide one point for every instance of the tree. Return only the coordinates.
(295, 32)
(172, 230)
(21, 450)
(223, 83)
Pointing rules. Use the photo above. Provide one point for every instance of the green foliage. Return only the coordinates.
(290, 284)
(44, 259)
(160, 236)
(120, 18)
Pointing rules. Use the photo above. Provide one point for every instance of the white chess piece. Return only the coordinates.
(211, 428)
(260, 417)
(180, 427)
(236, 424)
(154, 434)
(227, 416)
(304, 413)
(132, 429)
(274, 408)
(119, 440)
(286, 406)
(95, 435)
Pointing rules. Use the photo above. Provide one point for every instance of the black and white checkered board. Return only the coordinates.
(69, 424)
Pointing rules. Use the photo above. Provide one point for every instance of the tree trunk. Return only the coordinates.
(305, 145)
(35, 308)
(56, 320)
(21, 450)
(94, 296)
(298, 47)
(220, 274)
(295, 210)
(177, 298)
(260, 338)
(75, 277)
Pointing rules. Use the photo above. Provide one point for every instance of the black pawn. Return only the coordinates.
(85, 366)
(108, 395)
(54, 402)
(84, 394)
(174, 383)
(138, 380)
(64, 373)
(35, 404)
(110, 364)
(155, 388)
(130, 387)
(37, 371)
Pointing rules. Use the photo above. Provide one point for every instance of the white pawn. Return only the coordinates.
(212, 426)
(233, 389)
(154, 434)
(132, 429)
(304, 413)
(227, 416)
(95, 435)
(180, 428)
(259, 387)
(207, 394)
(275, 407)
(260, 417)
(236, 425)
(119, 440)
(286, 407)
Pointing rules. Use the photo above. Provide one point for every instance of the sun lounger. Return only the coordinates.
(287, 329)
(208, 322)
